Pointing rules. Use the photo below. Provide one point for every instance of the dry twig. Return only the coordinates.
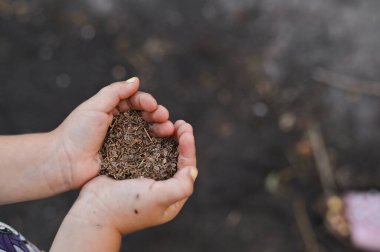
(346, 83)
(322, 159)
(305, 227)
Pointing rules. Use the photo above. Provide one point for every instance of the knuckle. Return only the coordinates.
(146, 115)
(163, 110)
(147, 96)
(110, 88)
(166, 217)
(182, 161)
(179, 123)
(105, 89)
(156, 186)
(189, 127)
(115, 84)
(187, 189)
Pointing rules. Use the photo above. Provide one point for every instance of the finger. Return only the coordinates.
(173, 210)
(182, 127)
(186, 146)
(142, 101)
(115, 112)
(178, 123)
(110, 96)
(124, 106)
(186, 149)
(160, 115)
(178, 188)
(162, 129)
(139, 101)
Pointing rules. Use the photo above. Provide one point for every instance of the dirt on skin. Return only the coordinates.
(129, 150)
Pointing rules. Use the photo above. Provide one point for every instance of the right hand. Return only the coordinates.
(130, 205)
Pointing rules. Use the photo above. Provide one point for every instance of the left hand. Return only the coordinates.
(80, 136)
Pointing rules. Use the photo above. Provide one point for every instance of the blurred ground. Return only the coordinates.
(251, 76)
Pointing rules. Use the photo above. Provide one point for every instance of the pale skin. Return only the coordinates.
(45, 164)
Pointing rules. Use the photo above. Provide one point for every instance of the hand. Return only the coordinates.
(130, 205)
(106, 208)
(81, 135)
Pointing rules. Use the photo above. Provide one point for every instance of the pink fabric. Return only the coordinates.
(363, 213)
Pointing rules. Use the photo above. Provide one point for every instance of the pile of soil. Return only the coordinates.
(129, 150)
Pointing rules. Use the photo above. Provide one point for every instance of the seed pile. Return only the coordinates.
(129, 151)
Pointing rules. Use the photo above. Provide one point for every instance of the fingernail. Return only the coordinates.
(132, 80)
(194, 173)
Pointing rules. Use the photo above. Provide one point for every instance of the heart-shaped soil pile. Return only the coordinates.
(129, 151)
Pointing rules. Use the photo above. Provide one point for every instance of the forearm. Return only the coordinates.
(83, 230)
(26, 163)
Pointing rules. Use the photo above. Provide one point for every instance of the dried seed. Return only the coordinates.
(130, 152)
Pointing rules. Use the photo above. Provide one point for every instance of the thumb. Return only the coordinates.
(110, 96)
(179, 187)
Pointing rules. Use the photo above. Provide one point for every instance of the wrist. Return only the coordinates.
(92, 210)
(86, 228)
(59, 178)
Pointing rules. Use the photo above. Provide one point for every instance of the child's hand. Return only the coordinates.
(131, 205)
(81, 135)
(107, 208)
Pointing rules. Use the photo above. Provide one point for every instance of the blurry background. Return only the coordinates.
(252, 76)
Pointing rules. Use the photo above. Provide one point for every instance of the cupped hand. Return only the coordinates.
(81, 135)
(131, 205)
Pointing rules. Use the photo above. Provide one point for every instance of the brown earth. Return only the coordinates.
(130, 151)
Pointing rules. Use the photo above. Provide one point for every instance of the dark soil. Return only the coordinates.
(129, 151)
